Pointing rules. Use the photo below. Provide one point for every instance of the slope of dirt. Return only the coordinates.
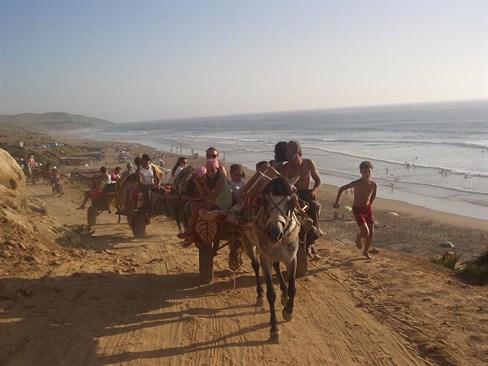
(102, 297)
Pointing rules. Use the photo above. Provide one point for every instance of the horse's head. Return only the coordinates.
(278, 203)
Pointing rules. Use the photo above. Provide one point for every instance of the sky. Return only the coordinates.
(127, 61)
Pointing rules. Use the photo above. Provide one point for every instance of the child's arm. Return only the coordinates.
(342, 189)
(373, 195)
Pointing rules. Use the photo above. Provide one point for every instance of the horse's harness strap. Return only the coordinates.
(290, 231)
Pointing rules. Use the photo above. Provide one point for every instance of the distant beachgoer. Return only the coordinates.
(364, 195)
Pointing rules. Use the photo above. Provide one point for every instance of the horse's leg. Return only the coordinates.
(284, 296)
(288, 309)
(274, 333)
(250, 249)
(259, 287)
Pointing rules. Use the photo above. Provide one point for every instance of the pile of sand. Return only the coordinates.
(12, 179)
(27, 234)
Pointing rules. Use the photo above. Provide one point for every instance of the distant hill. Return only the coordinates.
(50, 121)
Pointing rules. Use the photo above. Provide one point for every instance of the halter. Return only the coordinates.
(290, 222)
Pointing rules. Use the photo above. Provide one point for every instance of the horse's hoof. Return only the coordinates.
(274, 337)
(284, 300)
(287, 316)
(259, 301)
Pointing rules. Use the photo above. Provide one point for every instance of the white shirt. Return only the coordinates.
(147, 175)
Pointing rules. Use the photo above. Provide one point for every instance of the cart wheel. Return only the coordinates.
(139, 224)
(205, 262)
(91, 215)
(302, 260)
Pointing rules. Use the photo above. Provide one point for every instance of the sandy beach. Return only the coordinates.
(101, 297)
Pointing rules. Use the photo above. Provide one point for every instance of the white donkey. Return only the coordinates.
(275, 233)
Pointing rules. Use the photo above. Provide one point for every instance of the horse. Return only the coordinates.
(274, 232)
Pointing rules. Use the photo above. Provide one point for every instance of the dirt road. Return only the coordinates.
(113, 299)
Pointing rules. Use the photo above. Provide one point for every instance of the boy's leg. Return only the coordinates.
(359, 245)
(369, 239)
(363, 234)
(85, 200)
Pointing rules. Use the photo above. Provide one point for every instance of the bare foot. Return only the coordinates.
(375, 251)
(313, 256)
(80, 208)
(366, 254)
(358, 241)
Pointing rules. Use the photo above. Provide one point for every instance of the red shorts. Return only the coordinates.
(133, 194)
(363, 215)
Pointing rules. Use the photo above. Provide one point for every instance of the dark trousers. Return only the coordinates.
(312, 212)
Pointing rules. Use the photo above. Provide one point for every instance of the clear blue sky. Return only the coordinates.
(145, 60)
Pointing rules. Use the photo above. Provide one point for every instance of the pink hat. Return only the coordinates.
(212, 163)
(201, 171)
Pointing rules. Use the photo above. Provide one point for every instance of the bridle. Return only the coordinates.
(289, 220)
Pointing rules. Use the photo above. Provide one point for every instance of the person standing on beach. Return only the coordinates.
(364, 195)
(299, 171)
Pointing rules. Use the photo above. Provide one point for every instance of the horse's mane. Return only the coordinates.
(183, 183)
(279, 186)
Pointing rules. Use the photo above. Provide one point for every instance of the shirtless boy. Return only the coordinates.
(364, 195)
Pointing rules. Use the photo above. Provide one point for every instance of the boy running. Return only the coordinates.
(364, 195)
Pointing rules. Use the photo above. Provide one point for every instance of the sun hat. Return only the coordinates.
(201, 171)
(212, 163)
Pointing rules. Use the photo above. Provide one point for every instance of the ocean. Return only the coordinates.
(432, 154)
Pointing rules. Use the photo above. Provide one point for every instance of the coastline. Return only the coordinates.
(442, 199)
(400, 226)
